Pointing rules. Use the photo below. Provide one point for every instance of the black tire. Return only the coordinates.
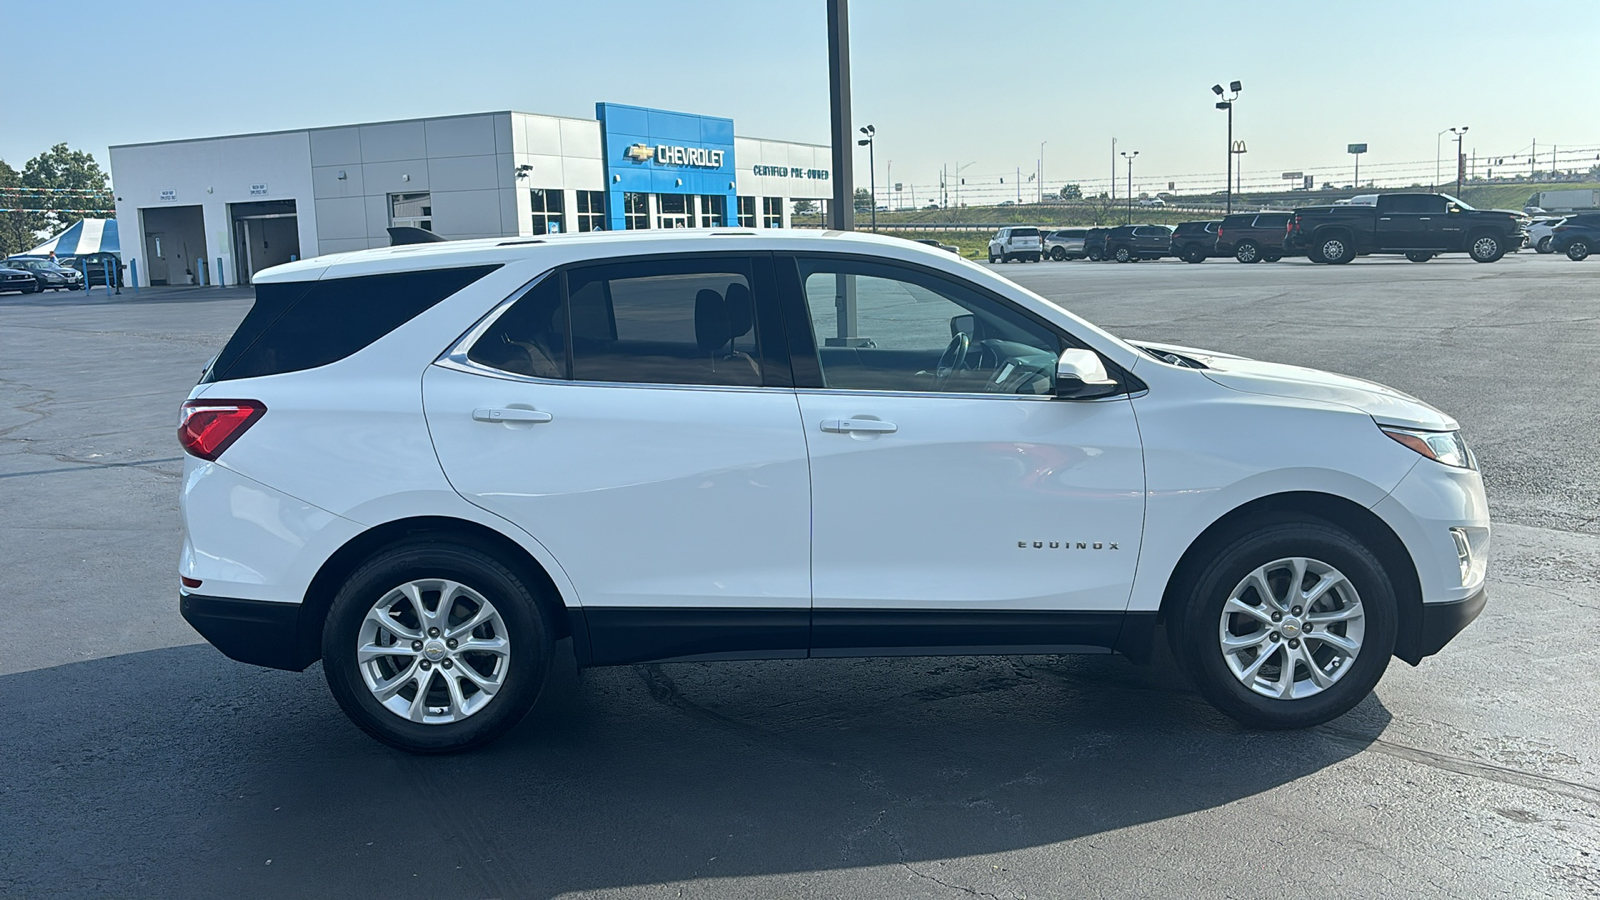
(1247, 251)
(1094, 255)
(1578, 250)
(1419, 256)
(991, 259)
(1194, 255)
(1485, 247)
(1195, 639)
(1335, 248)
(1271, 257)
(1543, 246)
(526, 629)
(1059, 254)
(1124, 254)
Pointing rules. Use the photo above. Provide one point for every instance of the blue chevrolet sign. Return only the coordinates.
(656, 151)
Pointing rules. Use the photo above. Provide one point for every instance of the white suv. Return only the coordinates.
(1019, 242)
(425, 464)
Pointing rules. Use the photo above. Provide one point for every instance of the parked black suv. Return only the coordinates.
(1192, 242)
(1252, 237)
(1130, 243)
(1094, 244)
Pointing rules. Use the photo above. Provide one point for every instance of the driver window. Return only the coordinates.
(884, 328)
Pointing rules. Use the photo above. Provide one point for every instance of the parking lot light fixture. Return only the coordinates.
(1227, 103)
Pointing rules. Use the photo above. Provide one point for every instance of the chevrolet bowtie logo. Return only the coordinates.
(640, 152)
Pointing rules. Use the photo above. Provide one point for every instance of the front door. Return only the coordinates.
(156, 257)
(673, 211)
(957, 505)
(653, 447)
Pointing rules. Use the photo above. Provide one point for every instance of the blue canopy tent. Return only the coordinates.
(91, 244)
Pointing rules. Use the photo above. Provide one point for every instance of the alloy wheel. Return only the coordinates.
(433, 651)
(1291, 628)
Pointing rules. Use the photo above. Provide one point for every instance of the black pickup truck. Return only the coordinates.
(1419, 225)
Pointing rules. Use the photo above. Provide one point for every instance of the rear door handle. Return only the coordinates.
(525, 416)
(858, 426)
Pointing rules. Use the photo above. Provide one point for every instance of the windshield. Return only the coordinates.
(1461, 203)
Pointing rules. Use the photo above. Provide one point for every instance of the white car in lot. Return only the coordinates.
(1022, 242)
(424, 464)
(1541, 231)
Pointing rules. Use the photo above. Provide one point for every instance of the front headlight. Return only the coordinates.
(1447, 447)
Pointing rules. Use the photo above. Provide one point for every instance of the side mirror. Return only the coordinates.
(1080, 375)
(1454, 208)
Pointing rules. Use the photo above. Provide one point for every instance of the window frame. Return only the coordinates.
(542, 216)
(770, 329)
(805, 361)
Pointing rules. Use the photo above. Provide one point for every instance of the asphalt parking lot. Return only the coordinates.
(140, 762)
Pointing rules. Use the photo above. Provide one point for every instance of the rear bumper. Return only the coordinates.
(258, 632)
(1441, 622)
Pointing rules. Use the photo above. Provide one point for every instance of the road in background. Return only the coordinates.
(142, 763)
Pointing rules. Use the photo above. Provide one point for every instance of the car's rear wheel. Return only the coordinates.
(1335, 248)
(434, 647)
(1543, 246)
(1578, 250)
(1247, 252)
(1271, 257)
(1194, 255)
(1095, 255)
(1290, 625)
(1485, 247)
(1058, 253)
(1419, 256)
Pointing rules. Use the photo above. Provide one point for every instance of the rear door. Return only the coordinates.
(636, 417)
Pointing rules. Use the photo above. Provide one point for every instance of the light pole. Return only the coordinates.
(1436, 159)
(1460, 134)
(1129, 157)
(842, 216)
(1041, 170)
(872, 171)
(1227, 104)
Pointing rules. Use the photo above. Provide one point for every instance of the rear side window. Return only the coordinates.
(1275, 220)
(1071, 233)
(1238, 221)
(1024, 232)
(300, 325)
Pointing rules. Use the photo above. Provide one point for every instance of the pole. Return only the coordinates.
(1113, 173)
(843, 213)
(133, 274)
(1230, 157)
(1358, 171)
(872, 181)
(1461, 161)
(1130, 191)
(1019, 185)
(1041, 170)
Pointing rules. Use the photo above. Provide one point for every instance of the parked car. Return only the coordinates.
(1016, 242)
(1152, 201)
(1065, 243)
(47, 275)
(1131, 243)
(1420, 226)
(1094, 243)
(931, 242)
(1577, 237)
(1540, 232)
(20, 280)
(1192, 242)
(446, 446)
(1253, 237)
(93, 267)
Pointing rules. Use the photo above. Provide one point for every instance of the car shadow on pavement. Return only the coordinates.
(178, 772)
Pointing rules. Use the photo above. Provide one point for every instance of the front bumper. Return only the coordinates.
(258, 632)
(1441, 622)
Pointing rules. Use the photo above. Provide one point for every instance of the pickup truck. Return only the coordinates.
(1419, 225)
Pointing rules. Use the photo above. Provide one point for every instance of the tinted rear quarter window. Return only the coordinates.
(1024, 232)
(300, 325)
(1275, 220)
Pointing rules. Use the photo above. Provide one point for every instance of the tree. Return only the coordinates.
(68, 183)
(1072, 192)
(15, 235)
(863, 200)
(804, 208)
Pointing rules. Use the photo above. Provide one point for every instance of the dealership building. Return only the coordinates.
(218, 210)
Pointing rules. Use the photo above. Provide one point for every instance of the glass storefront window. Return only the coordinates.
(713, 207)
(771, 212)
(674, 210)
(414, 209)
(747, 212)
(548, 208)
(635, 211)
(591, 210)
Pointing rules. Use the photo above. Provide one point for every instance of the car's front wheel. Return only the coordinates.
(1059, 254)
(1289, 625)
(1247, 252)
(1419, 256)
(434, 647)
(1485, 248)
(1578, 250)
(1543, 246)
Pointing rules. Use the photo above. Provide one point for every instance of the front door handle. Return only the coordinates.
(523, 416)
(858, 426)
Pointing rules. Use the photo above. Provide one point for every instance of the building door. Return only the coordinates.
(265, 234)
(174, 244)
(155, 257)
(673, 211)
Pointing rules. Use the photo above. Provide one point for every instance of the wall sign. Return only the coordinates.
(168, 196)
(258, 190)
(791, 172)
(669, 155)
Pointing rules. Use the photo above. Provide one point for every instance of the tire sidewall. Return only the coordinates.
(1247, 252)
(1472, 247)
(1577, 251)
(525, 625)
(1196, 640)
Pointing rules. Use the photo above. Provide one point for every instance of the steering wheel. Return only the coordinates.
(953, 358)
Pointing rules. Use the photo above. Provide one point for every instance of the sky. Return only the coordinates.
(944, 83)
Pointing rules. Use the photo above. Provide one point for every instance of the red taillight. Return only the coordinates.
(188, 582)
(209, 426)
(1219, 232)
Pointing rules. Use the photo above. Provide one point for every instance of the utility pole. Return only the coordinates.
(1461, 159)
(1129, 157)
(842, 217)
(1041, 170)
(1113, 173)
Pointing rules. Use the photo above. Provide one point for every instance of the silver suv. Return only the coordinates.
(1067, 243)
(1016, 242)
